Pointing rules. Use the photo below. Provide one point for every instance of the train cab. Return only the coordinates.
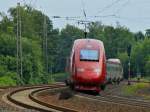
(87, 65)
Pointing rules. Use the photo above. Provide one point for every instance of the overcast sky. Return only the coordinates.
(134, 14)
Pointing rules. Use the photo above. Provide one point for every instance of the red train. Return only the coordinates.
(87, 65)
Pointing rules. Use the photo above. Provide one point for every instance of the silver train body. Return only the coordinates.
(114, 70)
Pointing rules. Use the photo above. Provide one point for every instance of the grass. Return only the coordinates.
(7, 81)
(146, 79)
(132, 89)
(59, 77)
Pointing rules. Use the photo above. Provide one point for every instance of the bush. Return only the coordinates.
(8, 80)
(132, 89)
(59, 76)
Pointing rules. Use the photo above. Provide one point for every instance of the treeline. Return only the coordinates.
(116, 39)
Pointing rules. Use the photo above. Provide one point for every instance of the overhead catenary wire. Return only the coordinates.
(108, 6)
(122, 6)
(105, 8)
(85, 19)
(132, 19)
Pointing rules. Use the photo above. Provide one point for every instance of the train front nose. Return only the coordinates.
(88, 75)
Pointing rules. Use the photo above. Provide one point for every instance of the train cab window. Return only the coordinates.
(89, 55)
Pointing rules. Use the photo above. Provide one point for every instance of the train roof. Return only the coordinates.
(114, 60)
(93, 41)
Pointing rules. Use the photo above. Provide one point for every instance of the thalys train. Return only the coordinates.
(87, 65)
(114, 71)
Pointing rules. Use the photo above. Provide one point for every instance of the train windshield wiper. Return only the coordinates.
(88, 60)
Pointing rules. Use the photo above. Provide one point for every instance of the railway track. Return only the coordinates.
(119, 100)
(108, 99)
(24, 97)
(27, 97)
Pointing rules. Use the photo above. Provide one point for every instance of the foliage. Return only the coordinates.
(139, 36)
(132, 89)
(32, 21)
(67, 37)
(140, 56)
(124, 60)
(116, 39)
(59, 76)
(32, 65)
(147, 34)
(9, 79)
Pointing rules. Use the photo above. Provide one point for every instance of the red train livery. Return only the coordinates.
(87, 65)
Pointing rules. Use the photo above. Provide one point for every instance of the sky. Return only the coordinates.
(133, 14)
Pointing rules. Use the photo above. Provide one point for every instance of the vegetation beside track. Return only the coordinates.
(143, 79)
(133, 89)
(8, 80)
(59, 77)
(116, 40)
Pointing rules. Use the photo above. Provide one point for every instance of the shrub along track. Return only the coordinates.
(140, 81)
(24, 97)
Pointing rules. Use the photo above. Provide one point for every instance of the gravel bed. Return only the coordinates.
(5, 107)
(86, 105)
(144, 93)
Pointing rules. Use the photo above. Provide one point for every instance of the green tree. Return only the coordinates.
(67, 37)
(32, 21)
(115, 40)
(139, 36)
(140, 56)
(124, 61)
(147, 34)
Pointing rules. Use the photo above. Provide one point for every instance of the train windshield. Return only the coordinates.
(89, 55)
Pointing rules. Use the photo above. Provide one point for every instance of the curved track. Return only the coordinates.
(24, 98)
(119, 100)
(32, 96)
(107, 98)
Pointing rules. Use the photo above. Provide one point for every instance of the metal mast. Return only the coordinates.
(45, 44)
(19, 45)
(17, 38)
(85, 24)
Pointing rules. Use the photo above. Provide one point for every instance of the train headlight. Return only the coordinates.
(80, 69)
(97, 70)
